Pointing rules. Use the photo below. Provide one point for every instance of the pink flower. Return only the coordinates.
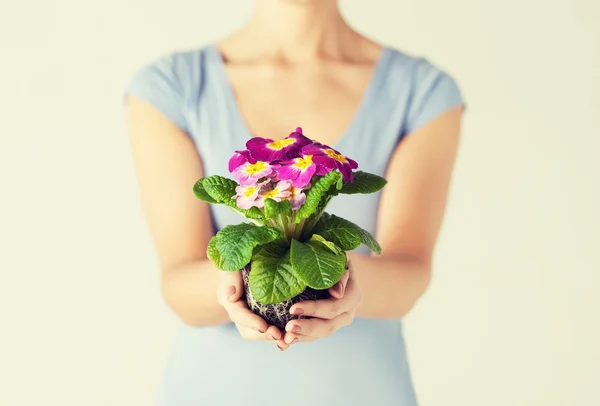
(246, 196)
(296, 197)
(250, 173)
(278, 193)
(268, 150)
(329, 159)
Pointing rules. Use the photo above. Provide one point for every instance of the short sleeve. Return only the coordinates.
(158, 84)
(434, 93)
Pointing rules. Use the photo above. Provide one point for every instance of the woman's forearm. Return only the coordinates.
(390, 285)
(190, 289)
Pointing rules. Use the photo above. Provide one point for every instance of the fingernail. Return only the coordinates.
(296, 329)
(280, 349)
(270, 337)
(295, 340)
(297, 311)
(339, 288)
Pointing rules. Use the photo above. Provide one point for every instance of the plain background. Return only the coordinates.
(512, 317)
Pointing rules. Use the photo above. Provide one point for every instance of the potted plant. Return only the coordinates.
(288, 249)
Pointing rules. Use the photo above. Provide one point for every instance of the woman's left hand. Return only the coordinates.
(328, 315)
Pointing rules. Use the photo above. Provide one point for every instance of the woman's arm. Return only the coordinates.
(410, 214)
(167, 165)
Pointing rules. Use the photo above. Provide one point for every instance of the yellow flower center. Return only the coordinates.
(280, 144)
(338, 157)
(303, 163)
(249, 191)
(256, 168)
(271, 194)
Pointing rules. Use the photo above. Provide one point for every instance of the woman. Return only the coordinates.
(296, 63)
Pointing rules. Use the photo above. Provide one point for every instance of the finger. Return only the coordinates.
(328, 308)
(282, 345)
(250, 334)
(273, 334)
(318, 328)
(241, 315)
(230, 287)
(338, 289)
(293, 338)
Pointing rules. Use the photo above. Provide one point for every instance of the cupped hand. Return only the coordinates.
(328, 315)
(251, 327)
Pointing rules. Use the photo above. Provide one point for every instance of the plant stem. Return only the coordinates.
(299, 228)
(283, 224)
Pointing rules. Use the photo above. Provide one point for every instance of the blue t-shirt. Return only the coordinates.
(362, 364)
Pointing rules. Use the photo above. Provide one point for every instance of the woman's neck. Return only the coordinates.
(298, 30)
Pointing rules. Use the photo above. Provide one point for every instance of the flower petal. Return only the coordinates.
(346, 171)
(257, 142)
(322, 170)
(304, 177)
(312, 149)
(353, 163)
(283, 185)
(300, 140)
(288, 172)
(235, 161)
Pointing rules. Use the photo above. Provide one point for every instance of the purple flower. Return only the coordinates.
(329, 159)
(240, 158)
(298, 170)
(268, 150)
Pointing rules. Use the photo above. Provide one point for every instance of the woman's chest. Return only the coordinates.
(349, 109)
(324, 102)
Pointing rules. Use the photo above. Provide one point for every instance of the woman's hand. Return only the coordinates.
(250, 326)
(327, 316)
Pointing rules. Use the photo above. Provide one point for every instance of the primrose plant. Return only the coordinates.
(289, 249)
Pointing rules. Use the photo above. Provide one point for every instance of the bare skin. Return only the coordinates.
(305, 66)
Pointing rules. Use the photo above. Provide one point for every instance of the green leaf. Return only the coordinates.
(201, 193)
(315, 264)
(213, 253)
(332, 246)
(236, 243)
(222, 190)
(318, 195)
(272, 279)
(345, 234)
(252, 213)
(219, 188)
(364, 183)
(274, 208)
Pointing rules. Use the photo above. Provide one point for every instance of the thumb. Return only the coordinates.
(338, 290)
(230, 286)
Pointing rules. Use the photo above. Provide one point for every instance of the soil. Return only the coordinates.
(278, 314)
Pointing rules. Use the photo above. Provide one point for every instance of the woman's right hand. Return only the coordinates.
(250, 326)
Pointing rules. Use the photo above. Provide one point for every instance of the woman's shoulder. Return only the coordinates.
(424, 88)
(179, 66)
(168, 81)
(414, 68)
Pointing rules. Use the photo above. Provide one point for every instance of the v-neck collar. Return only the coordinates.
(367, 98)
